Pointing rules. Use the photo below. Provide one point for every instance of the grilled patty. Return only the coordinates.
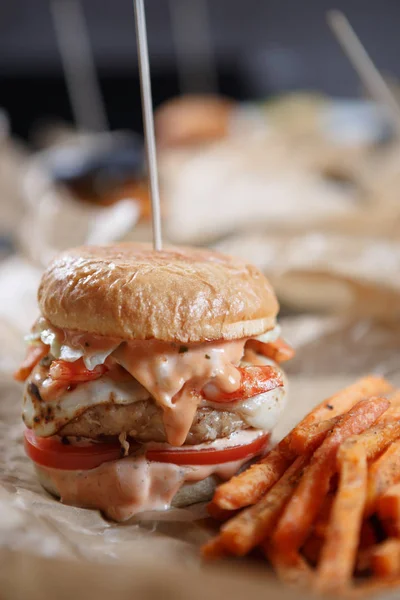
(143, 421)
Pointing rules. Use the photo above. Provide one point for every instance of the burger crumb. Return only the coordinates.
(65, 441)
(207, 356)
(330, 406)
(183, 349)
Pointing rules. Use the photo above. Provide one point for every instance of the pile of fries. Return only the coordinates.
(324, 504)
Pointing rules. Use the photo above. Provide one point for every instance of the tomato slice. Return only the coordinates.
(209, 456)
(50, 452)
(74, 372)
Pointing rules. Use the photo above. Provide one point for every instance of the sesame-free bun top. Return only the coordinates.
(130, 291)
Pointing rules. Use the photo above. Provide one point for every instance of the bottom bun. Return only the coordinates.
(133, 484)
(189, 493)
(46, 481)
(199, 491)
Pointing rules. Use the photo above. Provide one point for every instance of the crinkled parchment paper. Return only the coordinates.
(346, 283)
(322, 271)
(332, 352)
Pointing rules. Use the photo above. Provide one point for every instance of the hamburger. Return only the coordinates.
(150, 377)
(193, 120)
(101, 170)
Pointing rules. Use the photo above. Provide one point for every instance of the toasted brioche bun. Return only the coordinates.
(189, 493)
(192, 120)
(129, 291)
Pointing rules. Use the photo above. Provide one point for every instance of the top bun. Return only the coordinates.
(192, 120)
(130, 291)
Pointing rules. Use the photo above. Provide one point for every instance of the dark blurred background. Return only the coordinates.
(261, 47)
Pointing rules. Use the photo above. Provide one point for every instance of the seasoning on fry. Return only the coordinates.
(312, 496)
(248, 487)
(254, 524)
(339, 552)
(384, 472)
(290, 567)
(292, 529)
(340, 403)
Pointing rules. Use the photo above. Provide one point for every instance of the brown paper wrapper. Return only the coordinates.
(23, 575)
(35, 528)
(308, 247)
(332, 273)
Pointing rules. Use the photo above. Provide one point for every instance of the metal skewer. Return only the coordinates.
(362, 63)
(78, 65)
(147, 108)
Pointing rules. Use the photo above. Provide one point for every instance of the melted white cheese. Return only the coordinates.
(172, 374)
(261, 411)
(75, 402)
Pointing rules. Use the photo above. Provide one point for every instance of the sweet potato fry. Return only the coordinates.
(389, 502)
(248, 487)
(393, 412)
(394, 398)
(294, 525)
(254, 524)
(308, 439)
(367, 541)
(367, 535)
(34, 354)
(339, 553)
(312, 550)
(376, 439)
(219, 514)
(279, 351)
(383, 473)
(390, 527)
(214, 549)
(388, 508)
(338, 404)
(392, 416)
(322, 520)
(291, 568)
(363, 561)
(385, 559)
